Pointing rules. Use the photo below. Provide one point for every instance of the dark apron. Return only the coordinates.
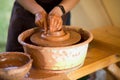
(22, 20)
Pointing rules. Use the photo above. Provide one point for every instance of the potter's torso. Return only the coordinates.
(47, 1)
(48, 4)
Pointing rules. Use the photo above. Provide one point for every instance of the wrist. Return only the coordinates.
(62, 8)
(56, 10)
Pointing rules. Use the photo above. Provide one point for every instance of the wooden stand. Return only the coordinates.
(103, 51)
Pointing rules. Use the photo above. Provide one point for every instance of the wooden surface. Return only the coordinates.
(39, 75)
(115, 70)
(103, 51)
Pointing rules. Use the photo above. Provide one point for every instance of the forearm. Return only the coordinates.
(30, 5)
(69, 4)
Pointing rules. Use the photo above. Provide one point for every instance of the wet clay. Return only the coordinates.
(55, 39)
(56, 59)
(14, 65)
(56, 36)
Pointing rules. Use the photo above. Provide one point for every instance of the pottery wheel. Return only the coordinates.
(56, 39)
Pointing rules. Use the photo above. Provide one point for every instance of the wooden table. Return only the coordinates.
(103, 51)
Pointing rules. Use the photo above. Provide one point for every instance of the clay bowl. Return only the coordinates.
(57, 59)
(14, 65)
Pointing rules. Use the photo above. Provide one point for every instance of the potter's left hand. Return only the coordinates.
(55, 20)
(40, 19)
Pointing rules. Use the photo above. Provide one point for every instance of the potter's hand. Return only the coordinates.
(40, 20)
(55, 20)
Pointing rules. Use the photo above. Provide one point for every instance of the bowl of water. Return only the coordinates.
(14, 65)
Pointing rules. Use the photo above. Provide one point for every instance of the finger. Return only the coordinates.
(41, 24)
(48, 23)
(60, 25)
(51, 24)
(56, 22)
(55, 25)
(45, 25)
(38, 23)
(48, 20)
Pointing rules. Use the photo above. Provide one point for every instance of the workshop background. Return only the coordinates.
(88, 14)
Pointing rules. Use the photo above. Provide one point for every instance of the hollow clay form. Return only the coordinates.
(55, 39)
(56, 59)
(14, 65)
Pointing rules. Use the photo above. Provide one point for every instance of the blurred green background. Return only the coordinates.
(5, 13)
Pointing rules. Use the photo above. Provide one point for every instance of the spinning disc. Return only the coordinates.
(68, 38)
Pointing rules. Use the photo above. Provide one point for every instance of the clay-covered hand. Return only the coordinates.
(54, 20)
(41, 20)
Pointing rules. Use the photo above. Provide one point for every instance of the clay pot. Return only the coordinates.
(14, 65)
(56, 59)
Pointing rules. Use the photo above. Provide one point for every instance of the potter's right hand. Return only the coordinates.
(40, 20)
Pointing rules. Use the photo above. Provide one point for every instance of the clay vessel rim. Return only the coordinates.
(25, 54)
(21, 41)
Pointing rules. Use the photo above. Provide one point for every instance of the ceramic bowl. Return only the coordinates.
(57, 59)
(14, 65)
